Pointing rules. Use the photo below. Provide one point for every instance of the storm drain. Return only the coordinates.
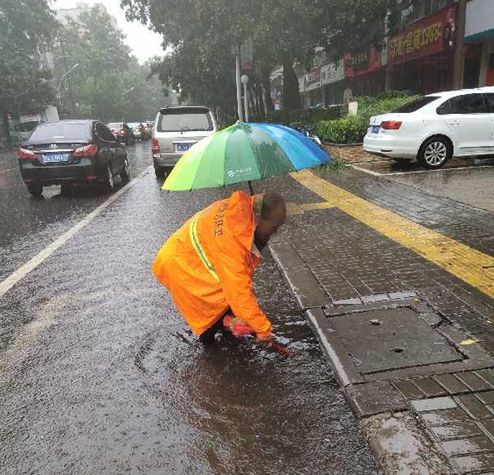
(388, 339)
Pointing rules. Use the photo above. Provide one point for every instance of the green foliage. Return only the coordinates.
(306, 117)
(386, 102)
(352, 129)
(199, 35)
(26, 29)
(108, 84)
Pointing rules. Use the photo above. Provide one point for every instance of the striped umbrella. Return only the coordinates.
(242, 153)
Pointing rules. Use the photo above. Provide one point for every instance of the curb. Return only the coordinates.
(397, 440)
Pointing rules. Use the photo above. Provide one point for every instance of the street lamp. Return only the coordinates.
(245, 80)
(74, 67)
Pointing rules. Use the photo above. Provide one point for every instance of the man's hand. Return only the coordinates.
(270, 344)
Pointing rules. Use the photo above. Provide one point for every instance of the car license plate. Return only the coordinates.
(55, 157)
(375, 129)
(183, 147)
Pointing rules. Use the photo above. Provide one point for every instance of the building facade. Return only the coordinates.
(417, 58)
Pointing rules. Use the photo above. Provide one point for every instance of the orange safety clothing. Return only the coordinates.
(207, 265)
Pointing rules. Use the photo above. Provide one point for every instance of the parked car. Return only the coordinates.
(122, 132)
(436, 127)
(176, 129)
(137, 129)
(72, 151)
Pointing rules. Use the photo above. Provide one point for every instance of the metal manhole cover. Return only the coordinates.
(383, 340)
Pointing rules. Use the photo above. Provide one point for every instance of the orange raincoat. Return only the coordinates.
(207, 265)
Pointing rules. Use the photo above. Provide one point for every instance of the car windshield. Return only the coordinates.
(415, 105)
(184, 120)
(133, 124)
(115, 125)
(61, 132)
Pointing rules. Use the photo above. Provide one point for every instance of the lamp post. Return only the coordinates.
(245, 81)
(73, 68)
(59, 87)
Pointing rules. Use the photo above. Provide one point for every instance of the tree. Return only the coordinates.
(108, 83)
(26, 29)
(201, 33)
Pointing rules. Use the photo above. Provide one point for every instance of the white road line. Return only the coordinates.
(8, 170)
(371, 172)
(29, 266)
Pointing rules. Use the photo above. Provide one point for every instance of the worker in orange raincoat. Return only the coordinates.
(207, 265)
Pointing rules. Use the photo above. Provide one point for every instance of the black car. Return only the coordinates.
(70, 151)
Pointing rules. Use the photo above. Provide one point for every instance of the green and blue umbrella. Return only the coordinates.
(242, 153)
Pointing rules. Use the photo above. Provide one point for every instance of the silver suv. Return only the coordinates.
(175, 130)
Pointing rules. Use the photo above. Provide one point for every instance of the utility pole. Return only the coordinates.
(459, 52)
(245, 81)
(239, 85)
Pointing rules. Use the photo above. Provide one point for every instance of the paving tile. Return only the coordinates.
(474, 406)
(434, 404)
(456, 430)
(408, 389)
(444, 416)
(451, 384)
(477, 462)
(474, 382)
(488, 425)
(487, 374)
(430, 387)
(486, 397)
(471, 445)
(374, 398)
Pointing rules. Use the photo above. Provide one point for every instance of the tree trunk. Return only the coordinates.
(291, 93)
(459, 53)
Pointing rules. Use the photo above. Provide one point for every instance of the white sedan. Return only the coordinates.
(435, 128)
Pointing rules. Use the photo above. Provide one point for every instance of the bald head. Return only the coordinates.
(273, 215)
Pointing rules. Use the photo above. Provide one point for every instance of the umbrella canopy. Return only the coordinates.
(244, 152)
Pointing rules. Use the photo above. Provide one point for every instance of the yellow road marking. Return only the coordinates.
(464, 262)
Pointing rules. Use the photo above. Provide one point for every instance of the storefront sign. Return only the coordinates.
(424, 37)
(332, 72)
(362, 63)
(313, 79)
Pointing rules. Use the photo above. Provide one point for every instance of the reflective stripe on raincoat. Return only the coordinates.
(207, 265)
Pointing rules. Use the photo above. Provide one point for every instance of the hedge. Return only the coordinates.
(352, 129)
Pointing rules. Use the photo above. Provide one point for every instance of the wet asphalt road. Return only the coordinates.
(99, 374)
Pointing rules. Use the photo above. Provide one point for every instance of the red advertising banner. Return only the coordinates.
(424, 37)
(362, 63)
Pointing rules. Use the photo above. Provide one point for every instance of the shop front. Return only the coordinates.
(333, 83)
(421, 55)
(364, 72)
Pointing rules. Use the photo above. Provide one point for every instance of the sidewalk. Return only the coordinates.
(399, 288)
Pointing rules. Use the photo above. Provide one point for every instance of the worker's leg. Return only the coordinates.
(207, 337)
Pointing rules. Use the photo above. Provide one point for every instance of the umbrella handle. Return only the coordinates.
(250, 188)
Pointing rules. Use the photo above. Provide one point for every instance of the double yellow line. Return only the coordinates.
(464, 262)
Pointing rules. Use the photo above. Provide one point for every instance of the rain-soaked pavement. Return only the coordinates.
(98, 373)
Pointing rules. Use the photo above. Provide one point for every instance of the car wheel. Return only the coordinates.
(125, 175)
(35, 189)
(435, 152)
(160, 172)
(108, 183)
